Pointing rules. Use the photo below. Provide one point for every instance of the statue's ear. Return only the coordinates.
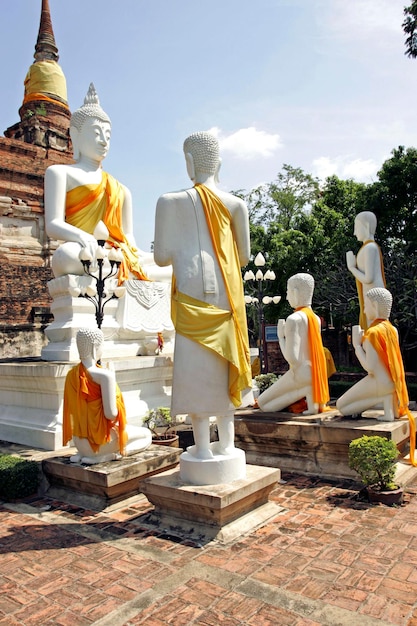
(74, 134)
(190, 165)
(216, 175)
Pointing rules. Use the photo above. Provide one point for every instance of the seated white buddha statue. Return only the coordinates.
(79, 195)
(78, 198)
(94, 415)
(301, 345)
(378, 352)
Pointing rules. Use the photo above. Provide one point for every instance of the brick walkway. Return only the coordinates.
(326, 559)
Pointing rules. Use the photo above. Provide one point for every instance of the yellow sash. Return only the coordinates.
(363, 322)
(83, 414)
(384, 339)
(224, 332)
(86, 205)
(318, 359)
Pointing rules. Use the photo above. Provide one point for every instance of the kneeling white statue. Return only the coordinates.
(378, 352)
(301, 345)
(94, 415)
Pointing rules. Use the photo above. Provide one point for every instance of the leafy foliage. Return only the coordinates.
(159, 421)
(410, 28)
(373, 458)
(18, 477)
(312, 231)
(264, 381)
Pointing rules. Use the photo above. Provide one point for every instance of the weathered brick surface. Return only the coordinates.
(63, 564)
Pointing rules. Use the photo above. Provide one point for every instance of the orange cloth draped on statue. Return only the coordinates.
(363, 322)
(86, 205)
(318, 360)
(225, 332)
(83, 414)
(384, 339)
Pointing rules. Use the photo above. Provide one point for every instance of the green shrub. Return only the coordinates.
(18, 477)
(158, 420)
(374, 459)
(264, 381)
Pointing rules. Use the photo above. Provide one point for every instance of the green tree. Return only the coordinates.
(393, 199)
(410, 29)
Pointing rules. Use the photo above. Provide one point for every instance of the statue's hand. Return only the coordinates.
(88, 243)
(350, 259)
(281, 329)
(357, 335)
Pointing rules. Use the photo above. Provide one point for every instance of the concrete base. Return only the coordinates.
(130, 325)
(212, 506)
(221, 468)
(32, 391)
(105, 484)
(315, 444)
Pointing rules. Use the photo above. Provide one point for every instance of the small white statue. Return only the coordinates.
(79, 195)
(378, 352)
(94, 415)
(301, 345)
(204, 233)
(367, 267)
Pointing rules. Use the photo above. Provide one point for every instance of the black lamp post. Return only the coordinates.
(94, 267)
(260, 300)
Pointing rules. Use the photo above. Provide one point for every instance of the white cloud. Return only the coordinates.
(361, 170)
(357, 18)
(248, 143)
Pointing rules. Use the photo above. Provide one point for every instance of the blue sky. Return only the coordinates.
(319, 84)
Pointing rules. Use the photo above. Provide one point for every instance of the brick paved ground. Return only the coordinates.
(326, 559)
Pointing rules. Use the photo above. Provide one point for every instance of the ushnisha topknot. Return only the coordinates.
(304, 283)
(204, 148)
(87, 339)
(90, 109)
(383, 298)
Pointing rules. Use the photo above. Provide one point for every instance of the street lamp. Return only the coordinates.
(94, 267)
(260, 300)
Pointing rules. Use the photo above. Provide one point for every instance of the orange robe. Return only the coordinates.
(83, 414)
(318, 359)
(222, 331)
(86, 205)
(384, 339)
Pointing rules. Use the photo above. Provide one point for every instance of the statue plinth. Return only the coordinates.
(130, 325)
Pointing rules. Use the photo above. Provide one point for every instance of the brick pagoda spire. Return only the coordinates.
(44, 114)
(39, 140)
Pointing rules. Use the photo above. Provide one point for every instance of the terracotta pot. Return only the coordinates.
(171, 441)
(389, 498)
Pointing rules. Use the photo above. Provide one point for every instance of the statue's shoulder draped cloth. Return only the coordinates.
(384, 339)
(223, 331)
(83, 414)
(320, 382)
(363, 322)
(86, 205)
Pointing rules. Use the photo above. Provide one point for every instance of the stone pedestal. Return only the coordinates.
(32, 392)
(221, 512)
(314, 444)
(102, 485)
(130, 325)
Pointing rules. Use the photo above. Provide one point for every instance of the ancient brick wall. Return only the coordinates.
(22, 288)
(24, 246)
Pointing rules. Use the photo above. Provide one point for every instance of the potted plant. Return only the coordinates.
(373, 458)
(263, 381)
(162, 426)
